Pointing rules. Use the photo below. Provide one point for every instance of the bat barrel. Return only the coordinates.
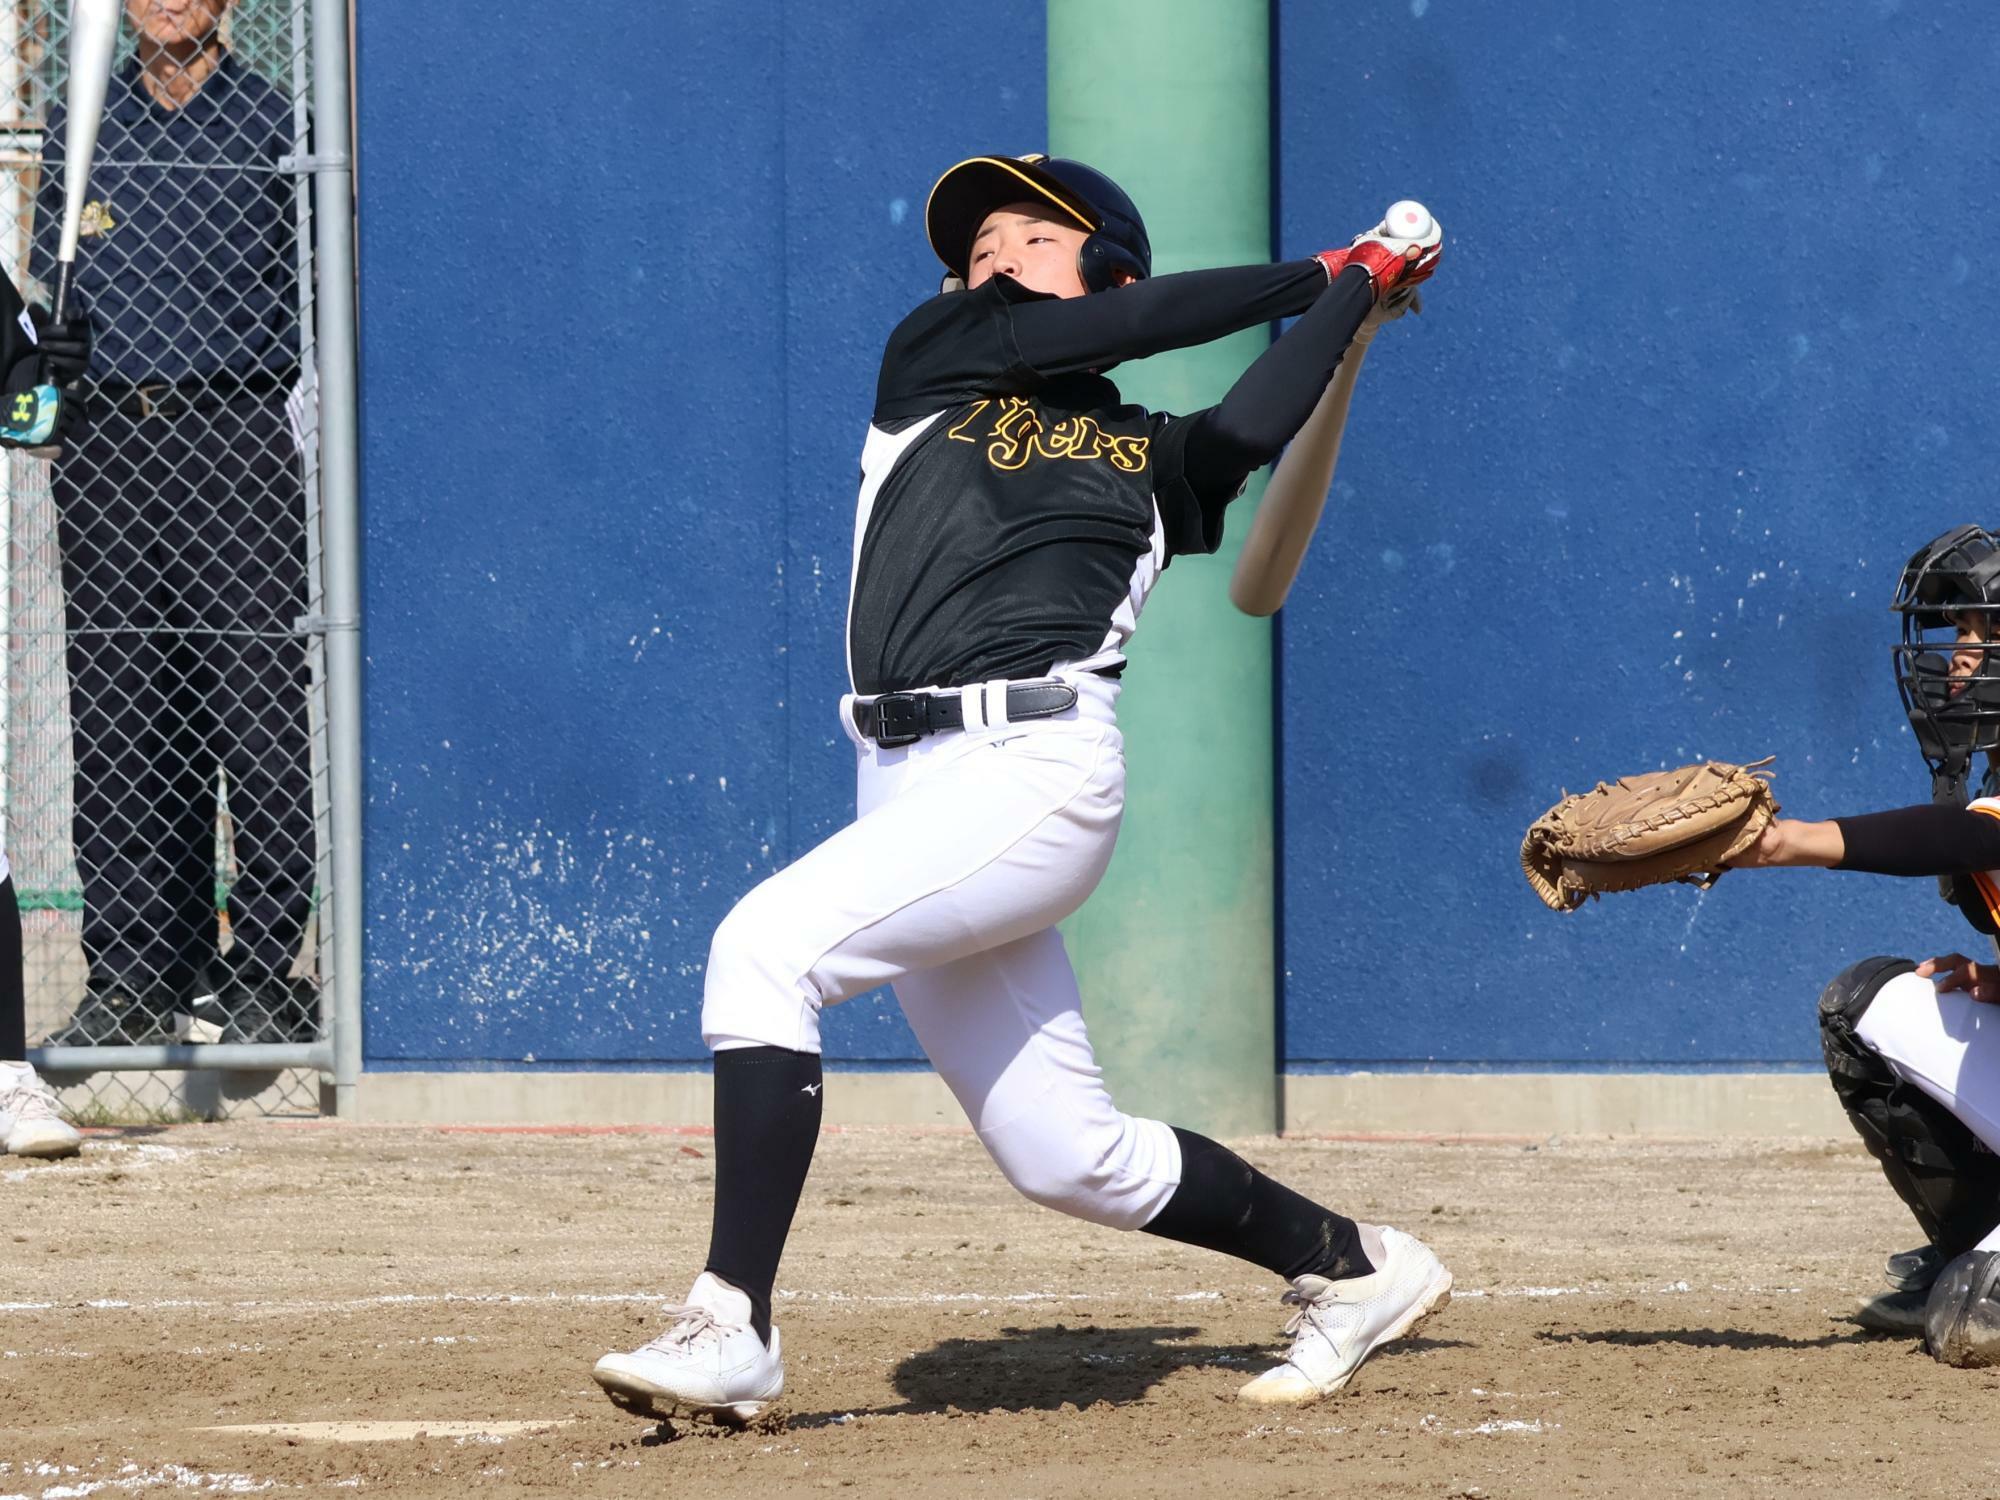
(93, 43)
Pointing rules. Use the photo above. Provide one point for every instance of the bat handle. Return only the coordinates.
(64, 269)
(52, 451)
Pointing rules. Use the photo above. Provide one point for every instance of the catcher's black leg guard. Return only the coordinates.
(1940, 1170)
(1962, 1315)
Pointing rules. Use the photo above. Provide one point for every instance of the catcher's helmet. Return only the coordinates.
(1949, 578)
(1084, 197)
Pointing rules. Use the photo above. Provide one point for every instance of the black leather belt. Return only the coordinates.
(167, 398)
(904, 718)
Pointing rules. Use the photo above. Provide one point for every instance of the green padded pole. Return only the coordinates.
(1175, 951)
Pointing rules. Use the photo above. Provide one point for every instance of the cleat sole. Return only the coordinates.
(643, 1399)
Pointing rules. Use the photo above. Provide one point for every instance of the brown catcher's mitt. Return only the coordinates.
(1683, 824)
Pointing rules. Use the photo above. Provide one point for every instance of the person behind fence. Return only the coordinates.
(181, 515)
(38, 358)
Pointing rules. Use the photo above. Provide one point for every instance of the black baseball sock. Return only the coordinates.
(13, 984)
(1223, 1203)
(767, 1106)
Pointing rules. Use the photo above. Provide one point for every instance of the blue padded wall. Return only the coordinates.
(1708, 357)
(624, 285)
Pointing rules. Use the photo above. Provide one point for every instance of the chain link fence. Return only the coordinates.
(163, 764)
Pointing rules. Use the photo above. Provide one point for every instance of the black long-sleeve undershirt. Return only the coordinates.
(1272, 399)
(1061, 336)
(1927, 839)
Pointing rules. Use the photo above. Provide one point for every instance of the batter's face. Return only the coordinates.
(1017, 241)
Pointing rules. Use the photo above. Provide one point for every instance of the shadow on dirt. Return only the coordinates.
(1706, 1338)
(1042, 1369)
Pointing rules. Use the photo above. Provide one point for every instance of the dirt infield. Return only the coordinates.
(1631, 1319)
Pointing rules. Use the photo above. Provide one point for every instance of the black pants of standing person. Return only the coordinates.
(13, 982)
(183, 556)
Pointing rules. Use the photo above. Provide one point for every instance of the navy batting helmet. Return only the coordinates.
(1083, 196)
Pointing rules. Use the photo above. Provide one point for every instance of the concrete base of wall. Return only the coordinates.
(1511, 1104)
(630, 1099)
(171, 1097)
(1562, 1104)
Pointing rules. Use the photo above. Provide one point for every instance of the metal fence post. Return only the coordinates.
(340, 518)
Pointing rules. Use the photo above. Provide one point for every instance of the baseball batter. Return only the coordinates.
(1014, 514)
(1913, 1049)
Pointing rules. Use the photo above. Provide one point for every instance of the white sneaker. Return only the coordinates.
(31, 1123)
(1340, 1323)
(710, 1365)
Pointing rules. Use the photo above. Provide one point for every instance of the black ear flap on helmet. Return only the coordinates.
(1119, 248)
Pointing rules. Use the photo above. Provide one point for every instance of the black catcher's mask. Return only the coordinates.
(1952, 580)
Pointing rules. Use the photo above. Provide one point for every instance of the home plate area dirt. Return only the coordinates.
(253, 1308)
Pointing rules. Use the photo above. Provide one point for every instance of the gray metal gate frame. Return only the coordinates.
(339, 1052)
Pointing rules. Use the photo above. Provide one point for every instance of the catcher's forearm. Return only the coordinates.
(1910, 841)
(1927, 839)
(1795, 843)
(1290, 510)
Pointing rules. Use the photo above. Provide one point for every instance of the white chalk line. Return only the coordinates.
(834, 1299)
(397, 1431)
(105, 1156)
(131, 1477)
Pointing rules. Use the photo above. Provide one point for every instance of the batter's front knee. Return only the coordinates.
(756, 992)
(1119, 1171)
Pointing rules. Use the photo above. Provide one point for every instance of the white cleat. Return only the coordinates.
(31, 1122)
(1340, 1323)
(703, 1367)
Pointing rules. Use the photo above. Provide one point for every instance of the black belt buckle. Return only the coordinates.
(155, 400)
(900, 719)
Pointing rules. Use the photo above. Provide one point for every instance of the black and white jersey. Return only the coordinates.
(1011, 519)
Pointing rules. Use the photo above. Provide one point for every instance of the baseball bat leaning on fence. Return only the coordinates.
(93, 43)
(1289, 512)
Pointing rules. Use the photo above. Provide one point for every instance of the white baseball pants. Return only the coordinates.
(1948, 1045)
(967, 849)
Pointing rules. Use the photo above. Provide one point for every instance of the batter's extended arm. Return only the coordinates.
(1290, 510)
(1058, 336)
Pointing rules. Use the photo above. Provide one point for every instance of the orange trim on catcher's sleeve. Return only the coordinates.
(1989, 887)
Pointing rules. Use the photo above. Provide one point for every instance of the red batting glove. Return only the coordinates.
(1389, 262)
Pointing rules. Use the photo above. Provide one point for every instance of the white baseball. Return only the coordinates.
(1408, 219)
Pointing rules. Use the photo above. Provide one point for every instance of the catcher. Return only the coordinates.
(1913, 1049)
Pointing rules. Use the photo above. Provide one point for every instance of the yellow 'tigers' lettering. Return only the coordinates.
(1016, 434)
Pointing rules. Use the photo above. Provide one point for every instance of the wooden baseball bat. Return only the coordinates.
(1288, 514)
